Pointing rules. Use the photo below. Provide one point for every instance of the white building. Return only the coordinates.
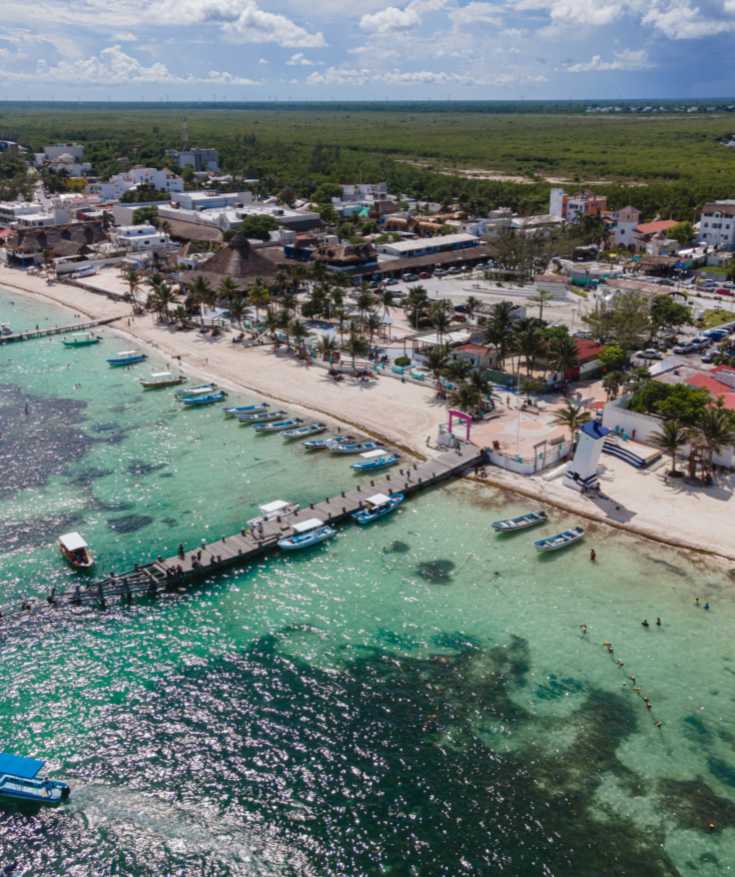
(626, 221)
(572, 208)
(226, 218)
(12, 211)
(117, 185)
(139, 238)
(200, 159)
(717, 224)
(364, 192)
(428, 246)
(55, 151)
(212, 200)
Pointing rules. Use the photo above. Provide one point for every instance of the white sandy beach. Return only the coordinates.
(645, 503)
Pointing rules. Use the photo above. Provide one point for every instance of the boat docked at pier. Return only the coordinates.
(305, 430)
(354, 447)
(204, 399)
(237, 410)
(20, 784)
(126, 357)
(264, 416)
(561, 540)
(307, 533)
(377, 459)
(83, 339)
(273, 511)
(75, 551)
(520, 522)
(278, 425)
(378, 506)
(158, 380)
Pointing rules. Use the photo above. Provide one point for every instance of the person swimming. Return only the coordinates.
(645, 623)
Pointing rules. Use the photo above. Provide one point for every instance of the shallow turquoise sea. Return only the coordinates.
(416, 698)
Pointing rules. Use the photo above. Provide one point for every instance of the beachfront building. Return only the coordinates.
(201, 159)
(428, 246)
(140, 238)
(717, 224)
(572, 208)
(476, 355)
(137, 177)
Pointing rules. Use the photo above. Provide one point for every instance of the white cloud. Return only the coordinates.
(298, 59)
(392, 18)
(678, 20)
(583, 12)
(125, 37)
(357, 76)
(254, 25)
(476, 13)
(263, 61)
(114, 67)
(627, 59)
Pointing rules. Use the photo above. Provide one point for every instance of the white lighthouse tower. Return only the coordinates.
(582, 470)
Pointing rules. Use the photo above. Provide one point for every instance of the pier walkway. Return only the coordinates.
(56, 330)
(209, 558)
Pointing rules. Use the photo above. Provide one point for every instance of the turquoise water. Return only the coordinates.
(415, 698)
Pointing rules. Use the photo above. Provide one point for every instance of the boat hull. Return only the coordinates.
(519, 523)
(307, 540)
(114, 362)
(41, 793)
(367, 516)
(560, 541)
(200, 401)
(380, 463)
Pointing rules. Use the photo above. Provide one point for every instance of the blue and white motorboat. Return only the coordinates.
(307, 533)
(561, 540)
(354, 447)
(520, 522)
(159, 380)
(377, 459)
(303, 431)
(237, 410)
(20, 784)
(322, 444)
(378, 506)
(278, 425)
(199, 390)
(126, 357)
(206, 399)
(264, 416)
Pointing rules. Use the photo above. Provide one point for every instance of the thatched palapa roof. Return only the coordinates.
(237, 260)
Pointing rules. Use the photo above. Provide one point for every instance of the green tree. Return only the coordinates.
(563, 355)
(715, 430)
(257, 227)
(259, 297)
(572, 416)
(668, 314)
(466, 397)
(612, 382)
(612, 357)
(417, 303)
(356, 345)
(440, 314)
(672, 436)
(499, 330)
(540, 298)
(530, 339)
(683, 232)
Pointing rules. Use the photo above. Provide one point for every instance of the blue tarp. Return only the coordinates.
(19, 766)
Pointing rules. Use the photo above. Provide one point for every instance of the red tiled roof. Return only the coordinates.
(655, 227)
(715, 389)
(587, 349)
(474, 348)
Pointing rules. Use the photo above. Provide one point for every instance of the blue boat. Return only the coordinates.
(322, 444)
(353, 447)
(378, 506)
(199, 390)
(207, 399)
(520, 522)
(303, 431)
(126, 357)
(278, 425)
(377, 459)
(251, 417)
(561, 540)
(19, 782)
(307, 533)
(237, 410)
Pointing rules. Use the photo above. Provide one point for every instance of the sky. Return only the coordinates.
(365, 50)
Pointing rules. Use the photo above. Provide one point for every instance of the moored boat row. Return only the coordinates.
(533, 519)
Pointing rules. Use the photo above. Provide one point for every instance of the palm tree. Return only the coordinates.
(356, 345)
(237, 309)
(670, 438)
(386, 300)
(499, 329)
(259, 297)
(372, 325)
(715, 430)
(228, 289)
(530, 340)
(471, 305)
(467, 398)
(540, 298)
(612, 382)
(563, 355)
(440, 314)
(299, 333)
(132, 278)
(365, 301)
(572, 415)
(202, 294)
(272, 323)
(416, 303)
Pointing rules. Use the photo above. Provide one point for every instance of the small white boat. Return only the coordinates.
(303, 431)
(378, 506)
(161, 379)
(321, 444)
(263, 416)
(377, 459)
(278, 425)
(199, 390)
(76, 551)
(354, 447)
(237, 410)
(307, 533)
(561, 540)
(520, 522)
(271, 511)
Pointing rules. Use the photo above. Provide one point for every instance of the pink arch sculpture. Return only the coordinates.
(465, 418)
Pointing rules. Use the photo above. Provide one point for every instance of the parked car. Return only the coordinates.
(649, 353)
(683, 349)
(710, 355)
(410, 278)
(722, 291)
(425, 275)
(391, 281)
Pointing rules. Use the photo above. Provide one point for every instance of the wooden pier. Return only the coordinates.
(210, 558)
(57, 330)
